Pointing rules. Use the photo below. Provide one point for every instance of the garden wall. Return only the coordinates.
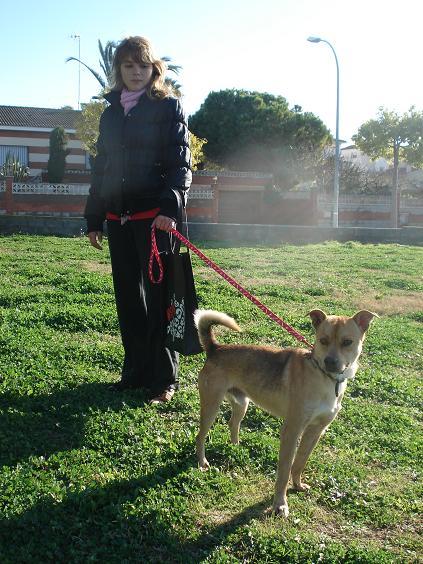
(225, 197)
(227, 232)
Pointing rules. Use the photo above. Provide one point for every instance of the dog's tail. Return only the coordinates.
(204, 319)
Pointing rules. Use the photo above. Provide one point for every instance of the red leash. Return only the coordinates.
(156, 256)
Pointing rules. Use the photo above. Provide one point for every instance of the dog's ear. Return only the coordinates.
(317, 316)
(363, 319)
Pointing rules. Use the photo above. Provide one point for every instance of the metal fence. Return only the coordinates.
(197, 192)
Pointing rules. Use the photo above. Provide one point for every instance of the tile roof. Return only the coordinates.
(21, 116)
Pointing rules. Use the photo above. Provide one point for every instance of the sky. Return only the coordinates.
(245, 44)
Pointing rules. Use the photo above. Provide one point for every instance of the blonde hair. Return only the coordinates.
(140, 50)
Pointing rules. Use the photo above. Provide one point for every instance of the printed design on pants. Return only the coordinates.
(176, 318)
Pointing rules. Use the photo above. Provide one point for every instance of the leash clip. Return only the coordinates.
(124, 219)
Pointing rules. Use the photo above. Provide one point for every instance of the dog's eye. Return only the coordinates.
(324, 341)
(346, 342)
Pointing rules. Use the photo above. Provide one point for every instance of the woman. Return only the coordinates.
(142, 156)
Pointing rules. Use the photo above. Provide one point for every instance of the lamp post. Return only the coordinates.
(337, 154)
(78, 37)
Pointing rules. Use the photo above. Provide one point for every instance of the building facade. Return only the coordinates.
(25, 132)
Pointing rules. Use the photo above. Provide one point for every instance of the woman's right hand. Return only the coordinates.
(96, 238)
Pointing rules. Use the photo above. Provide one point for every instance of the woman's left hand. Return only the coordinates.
(164, 223)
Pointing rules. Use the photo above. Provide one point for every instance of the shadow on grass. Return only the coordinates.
(44, 424)
(135, 520)
(96, 525)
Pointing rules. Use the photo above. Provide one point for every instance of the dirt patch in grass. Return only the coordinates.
(307, 516)
(277, 279)
(91, 266)
(4, 251)
(393, 304)
(394, 538)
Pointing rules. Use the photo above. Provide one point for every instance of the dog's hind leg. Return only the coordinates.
(212, 393)
(239, 403)
(308, 441)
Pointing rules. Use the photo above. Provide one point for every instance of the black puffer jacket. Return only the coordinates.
(140, 158)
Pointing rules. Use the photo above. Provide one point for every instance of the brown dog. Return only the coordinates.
(303, 387)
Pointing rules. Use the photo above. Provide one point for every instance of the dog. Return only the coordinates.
(303, 387)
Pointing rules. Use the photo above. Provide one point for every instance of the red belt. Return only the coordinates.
(134, 216)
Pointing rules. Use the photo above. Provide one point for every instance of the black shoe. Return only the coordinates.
(122, 386)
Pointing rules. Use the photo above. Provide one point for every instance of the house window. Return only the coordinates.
(19, 153)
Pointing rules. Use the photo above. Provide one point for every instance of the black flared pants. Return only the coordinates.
(140, 308)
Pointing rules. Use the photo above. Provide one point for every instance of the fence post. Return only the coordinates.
(8, 200)
(314, 207)
(215, 205)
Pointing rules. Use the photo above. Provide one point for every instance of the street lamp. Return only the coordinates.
(78, 37)
(337, 155)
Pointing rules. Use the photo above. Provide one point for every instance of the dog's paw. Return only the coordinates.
(301, 487)
(281, 510)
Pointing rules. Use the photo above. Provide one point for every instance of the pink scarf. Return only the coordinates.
(129, 99)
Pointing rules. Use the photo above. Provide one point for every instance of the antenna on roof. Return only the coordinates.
(78, 37)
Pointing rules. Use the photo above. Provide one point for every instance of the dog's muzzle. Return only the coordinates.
(332, 365)
(333, 372)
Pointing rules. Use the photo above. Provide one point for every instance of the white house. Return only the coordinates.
(355, 156)
(24, 133)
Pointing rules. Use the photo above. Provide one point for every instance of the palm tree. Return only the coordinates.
(171, 81)
(106, 60)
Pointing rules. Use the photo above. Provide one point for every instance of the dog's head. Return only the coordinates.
(339, 339)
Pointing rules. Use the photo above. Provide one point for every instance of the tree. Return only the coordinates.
(58, 153)
(197, 155)
(106, 61)
(256, 131)
(87, 124)
(352, 178)
(394, 137)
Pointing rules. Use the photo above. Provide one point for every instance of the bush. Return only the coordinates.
(58, 153)
(12, 167)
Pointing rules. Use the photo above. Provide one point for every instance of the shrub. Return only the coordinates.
(12, 167)
(58, 153)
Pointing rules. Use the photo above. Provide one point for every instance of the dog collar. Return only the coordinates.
(329, 375)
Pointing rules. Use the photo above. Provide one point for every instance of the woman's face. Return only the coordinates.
(136, 76)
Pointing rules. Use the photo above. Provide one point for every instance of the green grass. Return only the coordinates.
(88, 475)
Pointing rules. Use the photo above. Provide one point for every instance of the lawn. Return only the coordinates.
(91, 475)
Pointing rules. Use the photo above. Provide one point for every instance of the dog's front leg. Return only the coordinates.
(290, 434)
(309, 440)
